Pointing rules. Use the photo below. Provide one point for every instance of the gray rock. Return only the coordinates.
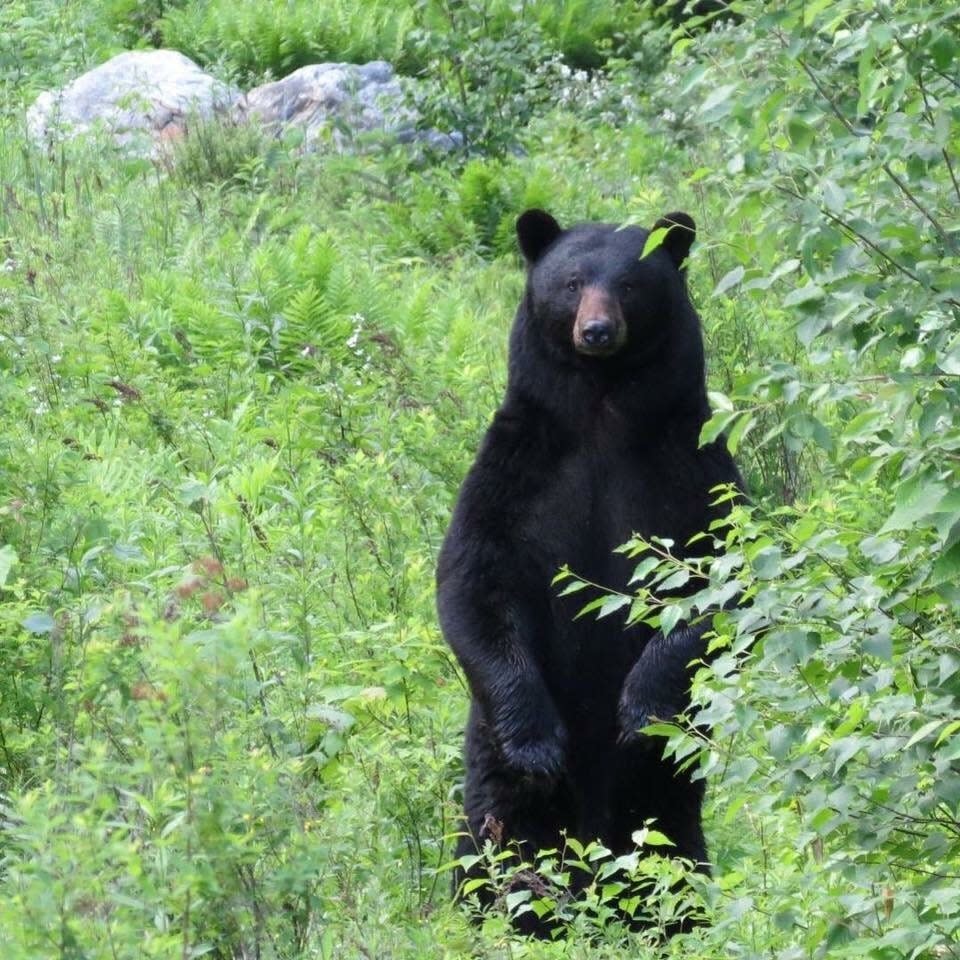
(141, 98)
(339, 100)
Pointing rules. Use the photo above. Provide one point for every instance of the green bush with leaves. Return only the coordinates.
(835, 691)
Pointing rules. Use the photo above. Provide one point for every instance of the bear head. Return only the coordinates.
(594, 298)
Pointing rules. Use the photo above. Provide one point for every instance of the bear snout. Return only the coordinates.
(597, 333)
(599, 329)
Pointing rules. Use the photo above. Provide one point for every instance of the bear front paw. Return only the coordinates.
(539, 758)
(635, 716)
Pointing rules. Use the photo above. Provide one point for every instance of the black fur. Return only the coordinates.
(584, 451)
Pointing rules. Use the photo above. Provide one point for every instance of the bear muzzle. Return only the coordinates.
(599, 329)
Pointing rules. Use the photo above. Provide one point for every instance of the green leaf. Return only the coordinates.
(869, 79)
(844, 750)
(917, 499)
(767, 563)
(669, 618)
(716, 425)
(834, 198)
(127, 552)
(720, 402)
(745, 423)
(614, 603)
(944, 50)
(949, 664)
(804, 296)
(332, 717)
(8, 559)
(654, 240)
(729, 280)
(644, 568)
(947, 732)
(800, 132)
(879, 645)
(595, 604)
(924, 732)
(575, 586)
(946, 568)
(38, 623)
(654, 838)
(647, 836)
(718, 102)
(812, 9)
(880, 550)
(950, 363)
(193, 491)
(851, 721)
(517, 898)
(676, 579)
(779, 741)
(865, 425)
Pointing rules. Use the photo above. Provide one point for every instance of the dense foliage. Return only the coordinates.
(239, 394)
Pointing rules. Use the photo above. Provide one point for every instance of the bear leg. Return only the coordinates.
(513, 812)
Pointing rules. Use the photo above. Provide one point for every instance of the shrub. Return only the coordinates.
(836, 685)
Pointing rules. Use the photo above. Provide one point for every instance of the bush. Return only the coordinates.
(835, 690)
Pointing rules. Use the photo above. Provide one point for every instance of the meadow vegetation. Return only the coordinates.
(240, 388)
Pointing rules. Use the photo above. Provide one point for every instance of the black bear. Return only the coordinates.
(596, 439)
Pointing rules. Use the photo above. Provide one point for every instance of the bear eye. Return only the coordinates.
(626, 286)
(573, 284)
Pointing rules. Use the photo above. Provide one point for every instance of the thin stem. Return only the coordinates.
(838, 113)
(952, 172)
(840, 222)
(947, 239)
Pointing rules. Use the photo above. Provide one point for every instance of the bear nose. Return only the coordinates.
(597, 333)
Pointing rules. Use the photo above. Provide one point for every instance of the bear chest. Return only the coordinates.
(597, 499)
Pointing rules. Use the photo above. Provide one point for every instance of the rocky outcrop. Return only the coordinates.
(144, 98)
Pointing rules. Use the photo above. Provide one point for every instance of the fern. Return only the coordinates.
(314, 256)
(118, 228)
(305, 327)
(273, 279)
(274, 37)
(207, 329)
(420, 310)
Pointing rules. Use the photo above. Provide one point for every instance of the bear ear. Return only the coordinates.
(536, 230)
(681, 232)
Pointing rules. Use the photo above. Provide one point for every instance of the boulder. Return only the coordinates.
(141, 98)
(342, 101)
